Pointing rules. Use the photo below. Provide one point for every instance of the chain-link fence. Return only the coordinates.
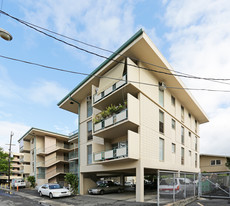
(174, 186)
(215, 185)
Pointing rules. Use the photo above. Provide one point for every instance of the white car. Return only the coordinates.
(53, 190)
(18, 183)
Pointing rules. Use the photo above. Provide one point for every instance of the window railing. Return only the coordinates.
(110, 90)
(114, 119)
(110, 154)
(73, 154)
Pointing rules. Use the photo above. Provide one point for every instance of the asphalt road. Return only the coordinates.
(7, 199)
(210, 202)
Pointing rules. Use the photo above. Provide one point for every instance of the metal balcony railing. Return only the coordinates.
(110, 154)
(114, 119)
(73, 155)
(110, 90)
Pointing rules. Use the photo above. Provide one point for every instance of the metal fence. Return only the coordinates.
(175, 186)
(215, 185)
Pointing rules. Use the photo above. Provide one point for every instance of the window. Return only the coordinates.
(196, 143)
(182, 155)
(161, 96)
(213, 162)
(161, 121)
(189, 134)
(182, 113)
(196, 160)
(173, 124)
(218, 162)
(182, 135)
(195, 126)
(89, 130)
(173, 101)
(89, 106)
(161, 149)
(173, 148)
(89, 154)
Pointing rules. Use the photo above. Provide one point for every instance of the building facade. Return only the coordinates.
(15, 169)
(135, 118)
(48, 155)
(213, 163)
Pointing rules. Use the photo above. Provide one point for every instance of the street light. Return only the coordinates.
(5, 35)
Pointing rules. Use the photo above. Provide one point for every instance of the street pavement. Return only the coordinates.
(210, 202)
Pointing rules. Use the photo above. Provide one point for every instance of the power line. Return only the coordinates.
(99, 76)
(32, 26)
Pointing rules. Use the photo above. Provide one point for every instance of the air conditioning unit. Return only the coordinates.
(162, 86)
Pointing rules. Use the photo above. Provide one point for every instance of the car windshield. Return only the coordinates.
(54, 186)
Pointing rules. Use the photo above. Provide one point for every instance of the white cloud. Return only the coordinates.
(200, 44)
(19, 129)
(46, 92)
(102, 23)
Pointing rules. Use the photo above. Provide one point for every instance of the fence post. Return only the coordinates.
(185, 190)
(174, 184)
(199, 185)
(158, 189)
(194, 184)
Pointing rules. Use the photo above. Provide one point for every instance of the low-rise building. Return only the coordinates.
(213, 163)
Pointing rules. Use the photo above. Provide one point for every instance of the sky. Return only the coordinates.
(194, 36)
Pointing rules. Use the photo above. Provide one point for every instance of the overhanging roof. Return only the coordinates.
(35, 131)
(139, 47)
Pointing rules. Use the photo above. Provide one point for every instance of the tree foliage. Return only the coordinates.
(227, 164)
(4, 164)
(31, 179)
(73, 181)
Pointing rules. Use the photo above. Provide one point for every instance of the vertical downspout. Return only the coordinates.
(35, 166)
(78, 172)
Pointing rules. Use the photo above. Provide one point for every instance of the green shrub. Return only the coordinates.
(31, 179)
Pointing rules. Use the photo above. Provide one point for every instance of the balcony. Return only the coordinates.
(58, 147)
(128, 152)
(24, 146)
(40, 164)
(25, 169)
(56, 160)
(127, 119)
(73, 155)
(57, 171)
(116, 86)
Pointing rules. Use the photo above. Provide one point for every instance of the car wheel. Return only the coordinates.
(102, 192)
(51, 195)
(40, 193)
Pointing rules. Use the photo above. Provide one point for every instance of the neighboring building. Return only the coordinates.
(132, 122)
(213, 163)
(15, 168)
(48, 154)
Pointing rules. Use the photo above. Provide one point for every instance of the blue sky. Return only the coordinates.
(194, 36)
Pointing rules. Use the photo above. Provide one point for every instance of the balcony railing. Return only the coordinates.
(111, 154)
(52, 148)
(110, 90)
(73, 154)
(116, 118)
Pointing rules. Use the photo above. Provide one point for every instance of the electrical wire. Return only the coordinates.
(99, 76)
(32, 26)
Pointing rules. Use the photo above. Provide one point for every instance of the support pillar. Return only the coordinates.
(122, 180)
(140, 184)
(81, 177)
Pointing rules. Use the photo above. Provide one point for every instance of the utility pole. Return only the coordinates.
(11, 135)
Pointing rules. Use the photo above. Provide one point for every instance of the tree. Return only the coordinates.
(31, 179)
(227, 164)
(4, 163)
(73, 181)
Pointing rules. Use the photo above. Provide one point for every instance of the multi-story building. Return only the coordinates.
(48, 155)
(213, 163)
(15, 168)
(135, 117)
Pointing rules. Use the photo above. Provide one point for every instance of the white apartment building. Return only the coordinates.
(134, 118)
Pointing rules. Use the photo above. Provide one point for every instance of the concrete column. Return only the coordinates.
(122, 180)
(81, 192)
(140, 184)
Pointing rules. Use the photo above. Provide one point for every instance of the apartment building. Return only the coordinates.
(15, 169)
(134, 118)
(213, 163)
(48, 155)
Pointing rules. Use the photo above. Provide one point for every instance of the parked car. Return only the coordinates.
(168, 186)
(106, 187)
(18, 183)
(53, 190)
